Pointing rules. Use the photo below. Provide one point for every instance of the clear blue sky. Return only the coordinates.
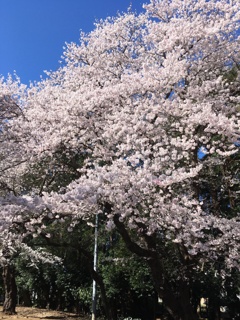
(33, 32)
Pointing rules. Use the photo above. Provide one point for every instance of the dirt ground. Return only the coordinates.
(24, 313)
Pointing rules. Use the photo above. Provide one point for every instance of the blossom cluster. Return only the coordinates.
(136, 101)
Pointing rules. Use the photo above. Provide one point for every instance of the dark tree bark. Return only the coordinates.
(25, 298)
(214, 309)
(10, 288)
(176, 297)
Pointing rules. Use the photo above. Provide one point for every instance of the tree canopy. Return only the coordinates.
(116, 131)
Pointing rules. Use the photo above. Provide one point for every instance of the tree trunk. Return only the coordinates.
(213, 309)
(179, 305)
(10, 288)
(177, 298)
(25, 298)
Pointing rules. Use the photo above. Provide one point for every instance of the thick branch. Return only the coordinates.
(132, 246)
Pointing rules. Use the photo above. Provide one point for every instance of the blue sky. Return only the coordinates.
(33, 32)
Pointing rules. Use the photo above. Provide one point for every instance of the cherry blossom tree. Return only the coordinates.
(135, 102)
(11, 92)
(17, 210)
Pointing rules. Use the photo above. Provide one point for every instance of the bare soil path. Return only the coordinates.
(24, 313)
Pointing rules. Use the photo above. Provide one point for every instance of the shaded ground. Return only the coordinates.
(24, 313)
